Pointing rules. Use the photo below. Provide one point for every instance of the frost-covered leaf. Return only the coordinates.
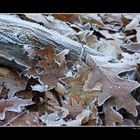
(110, 48)
(51, 70)
(107, 35)
(74, 105)
(134, 23)
(51, 101)
(112, 84)
(13, 82)
(76, 83)
(28, 119)
(131, 47)
(111, 115)
(91, 18)
(55, 119)
(52, 119)
(14, 104)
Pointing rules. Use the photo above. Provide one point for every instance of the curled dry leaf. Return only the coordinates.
(107, 35)
(14, 104)
(13, 82)
(112, 84)
(61, 56)
(131, 47)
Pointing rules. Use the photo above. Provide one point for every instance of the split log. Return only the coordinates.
(15, 33)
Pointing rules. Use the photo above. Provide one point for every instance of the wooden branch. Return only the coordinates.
(15, 33)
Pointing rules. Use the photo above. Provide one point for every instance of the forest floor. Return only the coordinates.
(95, 91)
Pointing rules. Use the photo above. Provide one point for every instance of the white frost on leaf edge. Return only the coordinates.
(40, 88)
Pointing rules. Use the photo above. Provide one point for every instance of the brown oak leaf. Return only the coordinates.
(14, 104)
(51, 70)
(76, 83)
(67, 17)
(111, 115)
(111, 84)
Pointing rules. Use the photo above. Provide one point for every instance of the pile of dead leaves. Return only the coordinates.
(101, 91)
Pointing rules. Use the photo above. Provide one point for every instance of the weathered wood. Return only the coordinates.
(15, 33)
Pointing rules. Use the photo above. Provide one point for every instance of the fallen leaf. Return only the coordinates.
(67, 17)
(110, 48)
(14, 104)
(107, 35)
(112, 84)
(51, 102)
(3, 71)
(76, 83)
(91, 18)
(28, 119)
(74, 105)
(111, 115)
(13, 82)
(131, 47)
(60, 89)
(51, 70)
(54, 119)
(134, 23)
(61, 56)
(25, 94)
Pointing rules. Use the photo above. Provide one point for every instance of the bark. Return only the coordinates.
(15, 33)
